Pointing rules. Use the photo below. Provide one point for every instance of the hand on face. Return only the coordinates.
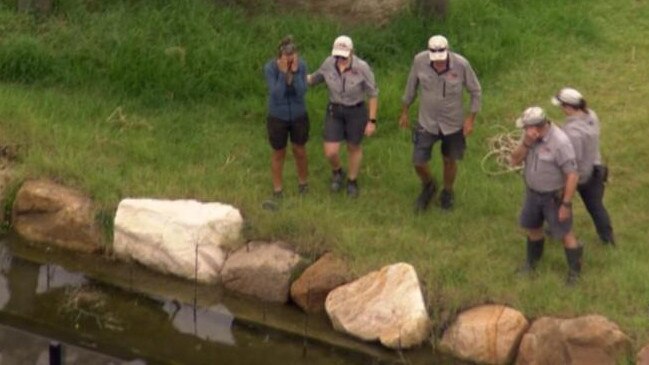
(532, 134)
(294, 63)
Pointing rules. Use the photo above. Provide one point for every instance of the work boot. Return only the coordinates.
(272, 204)
(303, 189)
(352, 189)
(573, 256)
(337, 179)
(446, 199)
(534, 253)
(427, 194)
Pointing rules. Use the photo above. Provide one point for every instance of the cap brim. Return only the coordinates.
(437, 56)
(555, 101)
(519, 123)
(340, 52)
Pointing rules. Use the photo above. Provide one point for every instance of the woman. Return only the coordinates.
(582, 127)
(287, 116)
(350, 81)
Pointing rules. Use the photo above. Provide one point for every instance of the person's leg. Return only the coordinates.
(592, 194)
(278, 132)
(563, 229)
(423, 143)
(355, 156)
(531, 218)
(334, 134)
(355, 123)
(301, 163)
(299, 138)
(453, 147)
(277, 166)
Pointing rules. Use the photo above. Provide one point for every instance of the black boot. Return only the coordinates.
(534, 253)
(573, 256)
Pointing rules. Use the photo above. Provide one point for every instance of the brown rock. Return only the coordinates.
(50, 213)
(488, 334)
(643, 356)
(592, 340)
(310, 290)
(262, 270)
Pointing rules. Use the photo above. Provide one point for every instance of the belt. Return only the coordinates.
(360, 103)
(545, 193)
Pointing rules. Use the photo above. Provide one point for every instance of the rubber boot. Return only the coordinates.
(573, 256)
(534, 253)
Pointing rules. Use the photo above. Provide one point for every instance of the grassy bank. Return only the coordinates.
(150, 99)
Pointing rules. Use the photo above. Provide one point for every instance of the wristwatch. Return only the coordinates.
(373, 120)
(567, 204)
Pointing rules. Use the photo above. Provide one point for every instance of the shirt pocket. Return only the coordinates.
(546, 156)
(454, 86)
(426, 81)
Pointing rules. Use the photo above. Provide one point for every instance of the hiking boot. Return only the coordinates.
(272, 204)
(428, 191)
(352, 189)
(573, 257)
(534, 253)
(337, 179)
(446, 199)
(303, 189)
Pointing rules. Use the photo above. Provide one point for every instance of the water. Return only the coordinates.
(130, 313)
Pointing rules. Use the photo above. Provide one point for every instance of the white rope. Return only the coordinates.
(501, 147)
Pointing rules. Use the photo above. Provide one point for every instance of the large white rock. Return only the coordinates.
(171, 236)
(386, 305)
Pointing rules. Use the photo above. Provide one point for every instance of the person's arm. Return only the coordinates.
(565, 210)
(409, 95)
(316, 77)
(275, 80)
(373, 100)
(518, 155)
(299, 79)
(472, 85)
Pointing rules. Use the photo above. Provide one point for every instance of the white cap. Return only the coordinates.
(531, 116)
(437, 42)
(567, 96)
(343, 46)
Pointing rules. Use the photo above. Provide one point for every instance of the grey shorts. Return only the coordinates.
(345, 123)
(540, 207)
(453, 145)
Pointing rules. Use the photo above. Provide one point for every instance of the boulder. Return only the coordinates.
(592, 340)
(47, 212)
(180, 237)
(262, 270)
(643, 356)
(310, 290)
(386, 305)
(488, 334)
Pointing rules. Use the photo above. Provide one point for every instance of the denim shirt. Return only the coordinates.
(285, 102)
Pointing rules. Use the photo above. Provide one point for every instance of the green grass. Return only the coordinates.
(184, 87)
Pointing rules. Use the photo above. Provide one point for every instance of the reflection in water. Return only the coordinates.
(212, 324)
(121, 322)
(53, 276)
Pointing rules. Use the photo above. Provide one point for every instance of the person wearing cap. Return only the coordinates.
(550, 175)
(582, 127)
(440, 76)
(287, 116)
(350, 82)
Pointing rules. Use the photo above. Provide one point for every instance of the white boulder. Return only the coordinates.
(180, 237)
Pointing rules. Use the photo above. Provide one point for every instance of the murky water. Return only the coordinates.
(130, 313)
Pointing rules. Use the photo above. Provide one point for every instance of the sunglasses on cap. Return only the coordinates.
(341, 58)
(437, 50)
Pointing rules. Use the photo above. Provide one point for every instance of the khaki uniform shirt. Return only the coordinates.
(548, 162)
(350, 87)
(583, 131)
(441, 100)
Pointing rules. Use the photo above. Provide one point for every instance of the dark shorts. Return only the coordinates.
(345, 123)
(453, 145)
(279, 131)
(540, 207)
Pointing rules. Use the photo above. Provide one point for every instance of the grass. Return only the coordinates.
(150, 99)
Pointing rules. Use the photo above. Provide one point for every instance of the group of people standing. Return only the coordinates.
(558, 161)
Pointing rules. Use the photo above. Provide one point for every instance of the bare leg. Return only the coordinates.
(299, 151)
(331, 151)
(355, 156)
(276, 166)
(450, 171)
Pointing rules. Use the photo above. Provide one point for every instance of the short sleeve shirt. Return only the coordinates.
(549, 161)
(349, 87)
